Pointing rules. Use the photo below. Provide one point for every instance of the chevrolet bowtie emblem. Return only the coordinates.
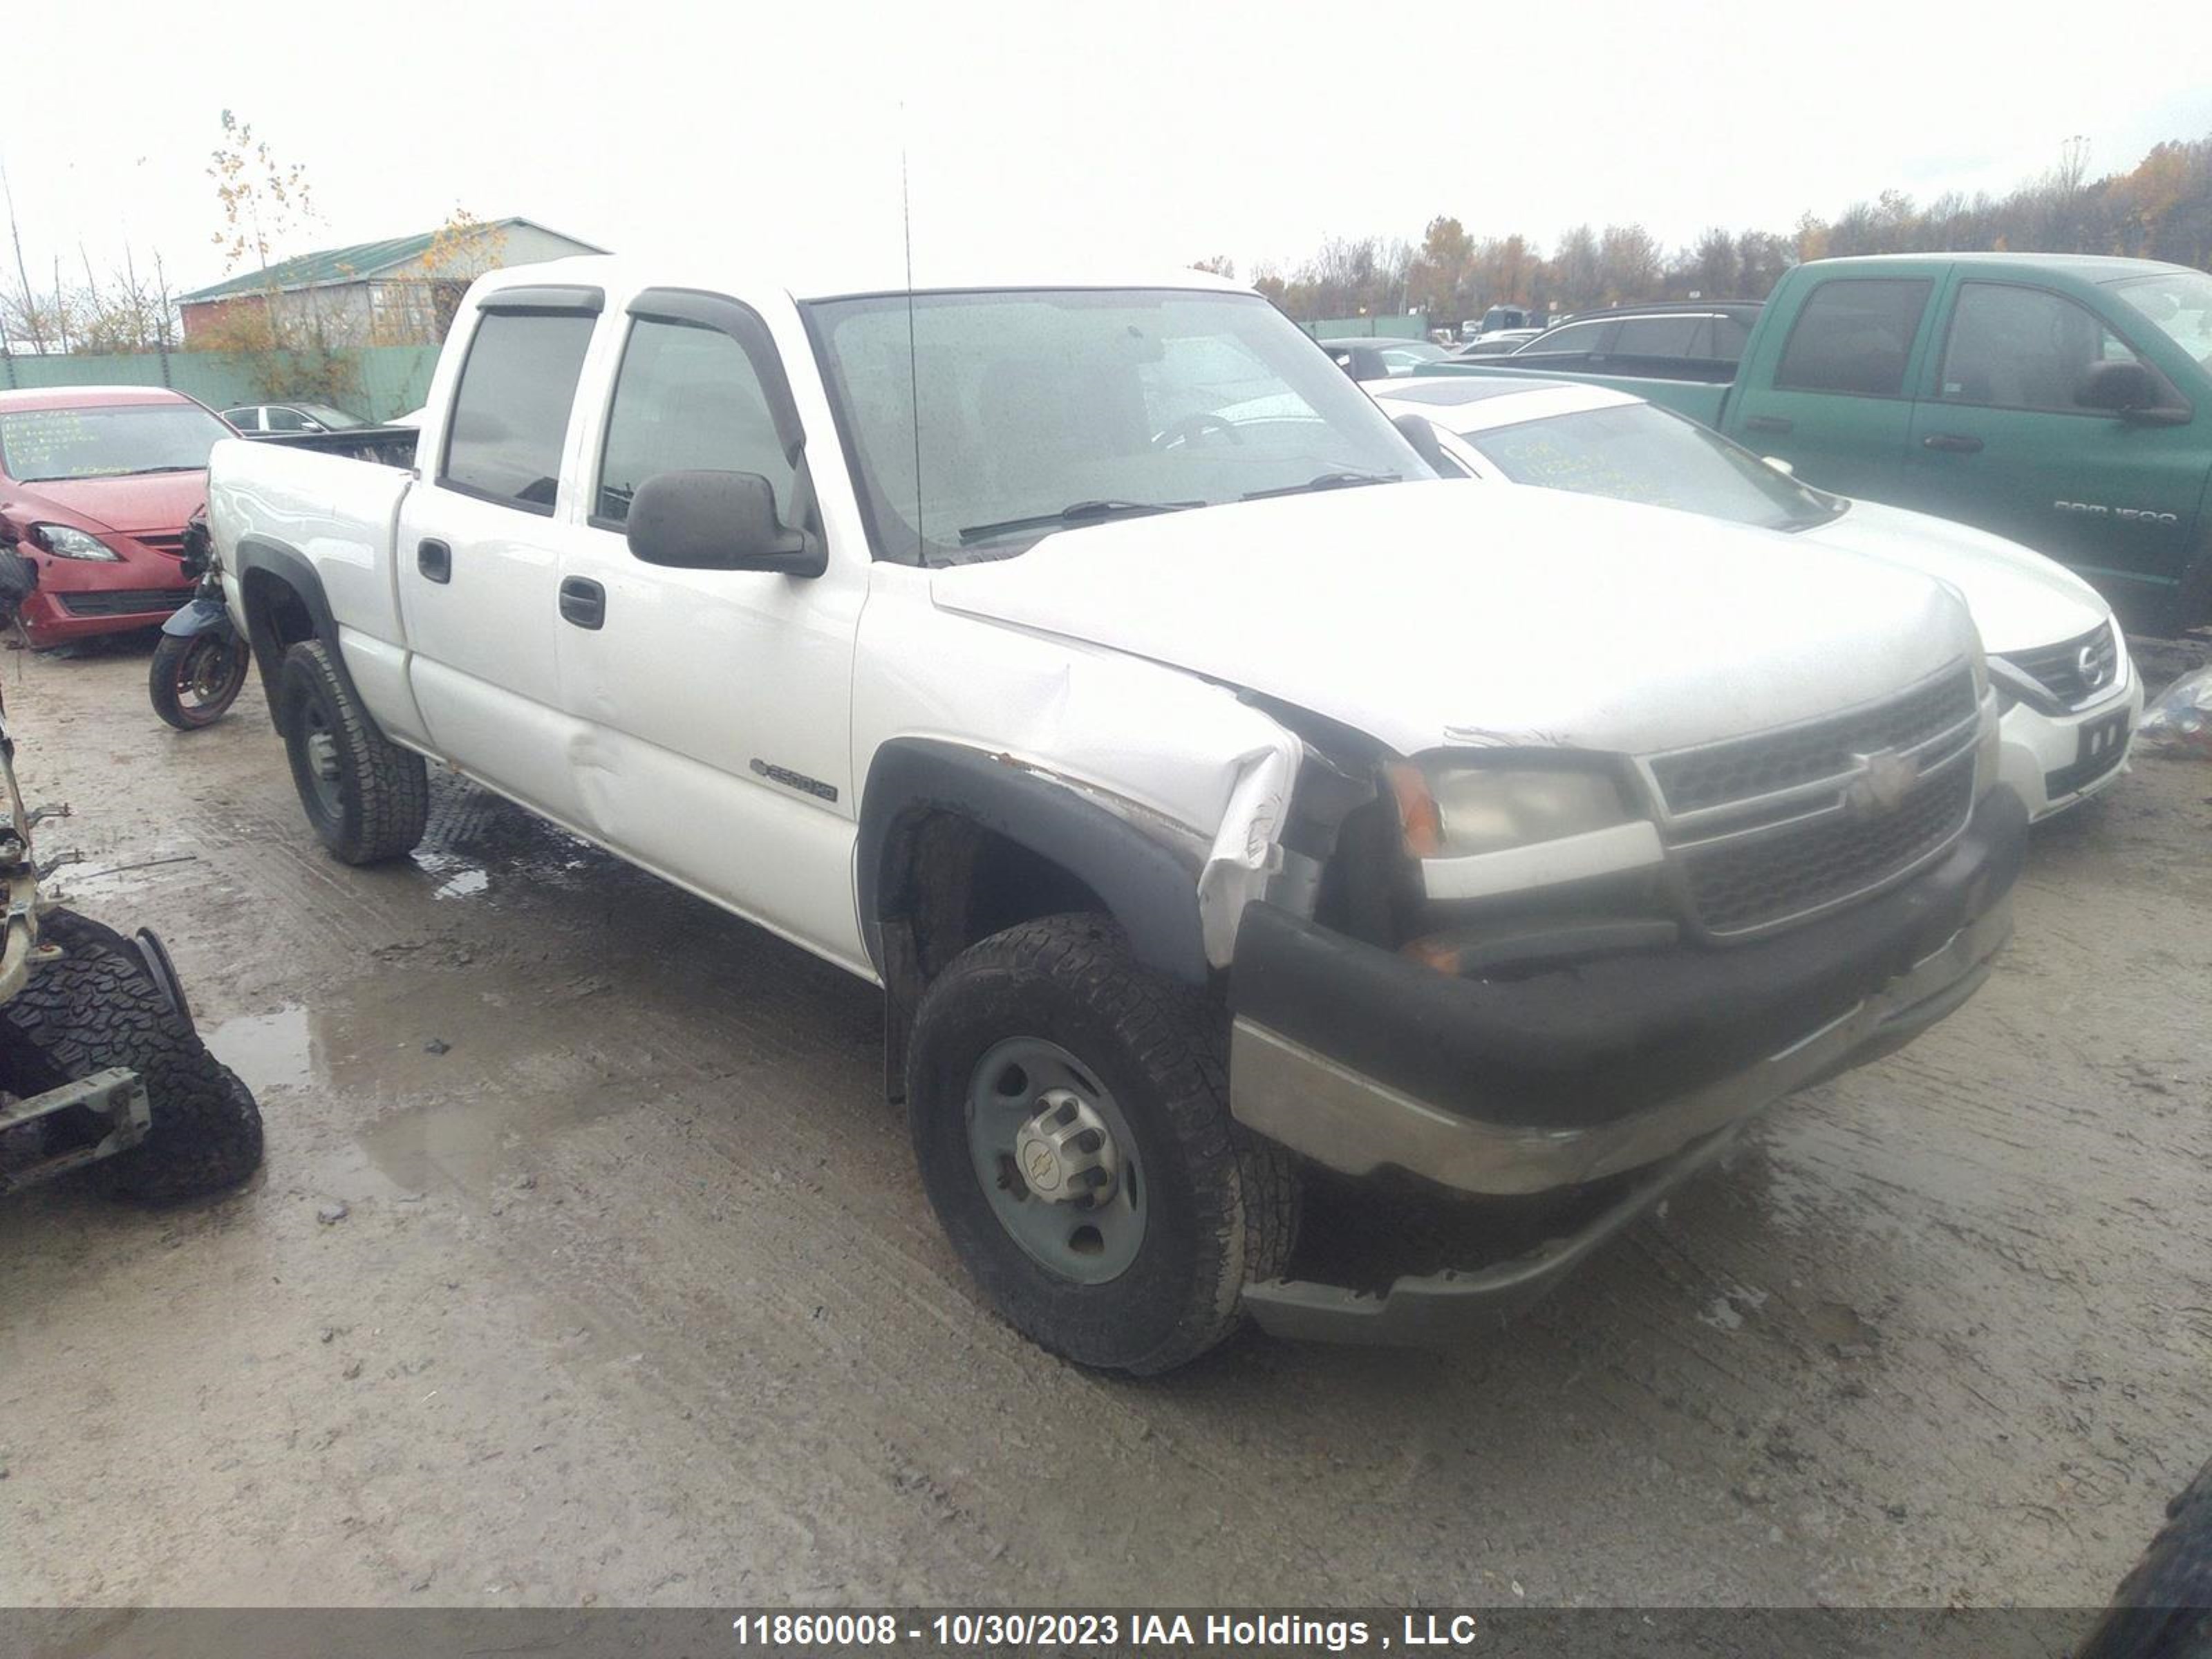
(1885, 778)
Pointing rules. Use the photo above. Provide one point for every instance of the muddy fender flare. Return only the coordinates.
(1149, 888)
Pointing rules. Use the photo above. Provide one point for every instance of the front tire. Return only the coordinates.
(367, 798)
(196, 677)
(1046, 1061)
(98, 1006)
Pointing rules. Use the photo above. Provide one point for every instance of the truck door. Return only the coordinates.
(717, 704)
(1832, 400)
(476, 563)
(2002, 441)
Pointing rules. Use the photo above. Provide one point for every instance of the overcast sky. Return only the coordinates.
(1139, 132)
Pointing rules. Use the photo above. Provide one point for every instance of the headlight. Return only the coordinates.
(65, 542)
(1453, 810)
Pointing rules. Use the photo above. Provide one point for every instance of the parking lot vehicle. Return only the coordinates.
(1135, 717)
(1393, 356)
(1499, 344)
(2070, 694)
(96, 485)
(1691, 341)
(99, 1065)
(291, 417)
(2061, 401)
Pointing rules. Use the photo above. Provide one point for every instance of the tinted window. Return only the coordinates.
(1575, 337)
(2022, 348)
(281, 419)
(1854, 336)
(686, 400)
(1728, 339)
(510, 412)
(1659, 336)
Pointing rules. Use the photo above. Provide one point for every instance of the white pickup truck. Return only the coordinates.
(1213, 792)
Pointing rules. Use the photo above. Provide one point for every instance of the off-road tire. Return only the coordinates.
(383, 791)
(2163, 1609)
(162, 683)
(97, 1006)
(1222, 1203)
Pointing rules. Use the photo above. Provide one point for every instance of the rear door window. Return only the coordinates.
(510, 417)
(1658, 337)
(1577, 337)
(1854, 336)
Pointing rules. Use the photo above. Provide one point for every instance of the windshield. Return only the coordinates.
(2180, 303)
(1635, 452)
(1042, 409)
(47, 444)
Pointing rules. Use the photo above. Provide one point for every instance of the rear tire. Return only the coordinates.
(98, 1006)
(367, 798)
(1059, 1010)
(190, 688)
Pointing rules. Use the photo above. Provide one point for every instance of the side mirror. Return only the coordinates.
(1780, 465)
(2122, 387)
(718, 521)
(1420, 431)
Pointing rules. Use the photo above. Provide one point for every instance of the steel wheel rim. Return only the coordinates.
(1017, 1085)
(319, 757)
(209, 676)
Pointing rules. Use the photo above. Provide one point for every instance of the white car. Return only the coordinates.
(2070, 696)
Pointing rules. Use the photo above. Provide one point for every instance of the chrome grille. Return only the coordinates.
(1698, 780)
(171, 542)
(2073, 670)
(1775, 827)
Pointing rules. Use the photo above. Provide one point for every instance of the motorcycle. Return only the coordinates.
(199, 667)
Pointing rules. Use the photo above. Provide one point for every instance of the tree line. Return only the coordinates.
(2161, 208)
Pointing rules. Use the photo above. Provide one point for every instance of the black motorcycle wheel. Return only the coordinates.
(196, 677)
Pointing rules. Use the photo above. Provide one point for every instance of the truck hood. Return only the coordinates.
(2020, 599)
(1428, 614)
(152, 500)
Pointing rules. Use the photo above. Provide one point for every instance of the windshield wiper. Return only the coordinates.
(1326, 481)
(1074, 512)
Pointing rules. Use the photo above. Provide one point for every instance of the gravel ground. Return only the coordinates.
(633, 1299)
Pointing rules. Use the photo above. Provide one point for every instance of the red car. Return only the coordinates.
(96, 485)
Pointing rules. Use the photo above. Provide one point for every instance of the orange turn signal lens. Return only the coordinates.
(1418, 813)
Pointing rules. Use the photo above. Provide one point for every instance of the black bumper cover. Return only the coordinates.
(1605, 1038)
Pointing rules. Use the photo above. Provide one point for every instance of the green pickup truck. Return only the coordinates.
(2062, 401)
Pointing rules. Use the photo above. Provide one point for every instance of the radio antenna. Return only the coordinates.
(913, 369)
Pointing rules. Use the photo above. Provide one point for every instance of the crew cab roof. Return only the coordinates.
(626, 273)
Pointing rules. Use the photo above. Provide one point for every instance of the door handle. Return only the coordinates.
(1957, 443)
(1770, 423)
(583, 602)
(434, 559)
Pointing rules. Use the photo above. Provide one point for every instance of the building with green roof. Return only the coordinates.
(401, 291)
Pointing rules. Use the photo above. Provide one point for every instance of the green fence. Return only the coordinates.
(1415, 327)
(386, 380)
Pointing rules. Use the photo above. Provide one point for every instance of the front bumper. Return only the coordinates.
(1648, 1062)
(79, 598)
(2053, 761)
